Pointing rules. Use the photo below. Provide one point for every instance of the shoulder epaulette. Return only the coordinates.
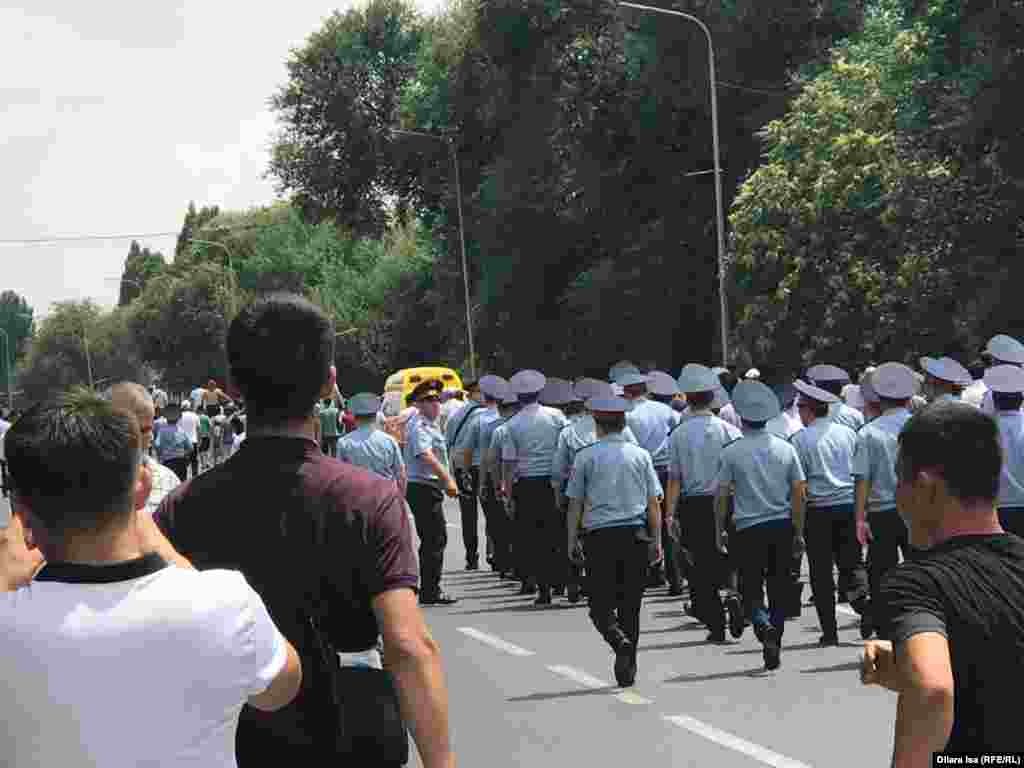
(790, 438)
(731, 442)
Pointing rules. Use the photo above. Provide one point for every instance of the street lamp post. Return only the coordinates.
(7, 365)
(719, 213)
(450, 141)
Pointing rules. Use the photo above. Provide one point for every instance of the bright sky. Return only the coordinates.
(115, 115)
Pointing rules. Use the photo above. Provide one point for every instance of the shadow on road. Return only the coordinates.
(750, 673)
(801, 647)
(853, 666)
(523, 608)
(692, 627)
(610, 690)
(674, 646)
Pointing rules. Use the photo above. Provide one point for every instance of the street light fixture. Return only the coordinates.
(719, 213)
(450, 141)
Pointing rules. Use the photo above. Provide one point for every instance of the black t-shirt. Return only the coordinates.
(969, 589)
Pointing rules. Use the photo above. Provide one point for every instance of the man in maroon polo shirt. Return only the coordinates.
(259, 512)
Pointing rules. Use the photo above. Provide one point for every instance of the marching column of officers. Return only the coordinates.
(604, 489)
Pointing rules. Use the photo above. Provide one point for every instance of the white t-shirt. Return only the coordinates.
(159, 398)
(152, 671)
(189, 422)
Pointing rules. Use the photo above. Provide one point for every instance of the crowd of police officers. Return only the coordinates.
(604, 489)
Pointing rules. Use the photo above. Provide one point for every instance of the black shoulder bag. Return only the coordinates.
(356, 708)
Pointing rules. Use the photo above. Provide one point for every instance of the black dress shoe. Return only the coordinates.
(574, 594)
(441, 598)
(472, 565)
(734, 609)
(544, 598)
(772, 649)
(717, 636)
(625, 664)
(867, 626)
(829, 641)
(675, 590)
(558, 590)
(528, 589)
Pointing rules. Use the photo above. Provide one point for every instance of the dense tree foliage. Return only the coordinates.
(141, 266)
(17, 325)
(75, 336)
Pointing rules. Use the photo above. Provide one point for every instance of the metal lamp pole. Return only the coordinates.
(450, 141)
(7, 365)
(719, 213)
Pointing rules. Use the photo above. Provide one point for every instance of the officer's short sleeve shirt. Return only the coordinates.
(874, 459)
(761, 468)
(617, 479)
(826, 450)
(695, 450)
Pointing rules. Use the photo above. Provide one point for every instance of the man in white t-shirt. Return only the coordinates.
(112, 657)
(189, 423)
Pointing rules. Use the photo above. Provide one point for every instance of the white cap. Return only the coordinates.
(755, 401)
(1006, 349)
(946, 369)
(753, 373)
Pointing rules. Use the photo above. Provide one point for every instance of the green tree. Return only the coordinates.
(17, 325)
(141, 266)
(76, 337)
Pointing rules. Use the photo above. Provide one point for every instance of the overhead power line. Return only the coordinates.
(86, 238)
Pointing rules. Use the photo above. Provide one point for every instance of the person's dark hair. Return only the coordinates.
(280, 350)
(820, 410)
(885, 403)
(753, 424)
(573, 408)
(700, 399)
(610, 422)
(664, 399)
(528, 399)
(1007, 401)
(728, 380)
(833, 387)
(958, 441)
(74, 461)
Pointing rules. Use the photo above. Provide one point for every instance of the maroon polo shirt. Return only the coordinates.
(255, 513)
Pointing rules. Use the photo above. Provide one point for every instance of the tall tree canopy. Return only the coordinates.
(17, 325)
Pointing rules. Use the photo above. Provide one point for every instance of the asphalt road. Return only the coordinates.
(534, 687)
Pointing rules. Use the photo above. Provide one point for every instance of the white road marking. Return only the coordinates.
(581, 677)
(743, 746)
(495, 642)
(847, 610)
(453, 525)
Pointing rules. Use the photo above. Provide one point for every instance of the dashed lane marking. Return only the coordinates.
(581, 677)
(735, 743)
(847, 610)
(495, 642)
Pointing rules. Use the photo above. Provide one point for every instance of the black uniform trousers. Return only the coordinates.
(426, 503)
(763, 553)
(832, 540)
(572, 574)
(889, 540)
(1012, 520)
(498, 525)
(540, 534)
(697, 514)
(616, 576)
(670, 544)
(470, 519)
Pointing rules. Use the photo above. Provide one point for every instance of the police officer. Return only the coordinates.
(529, 449)
(370, 447)
(1006, 383)
(1001, 350)
(826, 449)
(874, 471)
(508, 407)
(469, 444)
(650, 422)
(558, 394)
(832, 379)
(765, 475)
(426, 457)
(615, 500)
(695, 448)
(465, 478)
(872, 408)
(945, 378)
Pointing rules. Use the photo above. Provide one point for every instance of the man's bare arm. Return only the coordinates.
(414, 658)
(924, 712)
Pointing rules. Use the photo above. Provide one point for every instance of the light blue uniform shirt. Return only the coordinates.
(497, 446)
(421, 435)
(581, 432)
(843, 414)
(875, 457)
(454, 423)
(651, 422)
(616, 478)
(826, 454)
(532, 439)
(471, 436)
(172, 442)
(1011, 478)
(762, 469)
(372, 449)
(695, 450)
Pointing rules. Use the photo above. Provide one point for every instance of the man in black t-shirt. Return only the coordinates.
(955, 611)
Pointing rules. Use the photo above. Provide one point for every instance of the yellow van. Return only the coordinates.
(400, 385)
